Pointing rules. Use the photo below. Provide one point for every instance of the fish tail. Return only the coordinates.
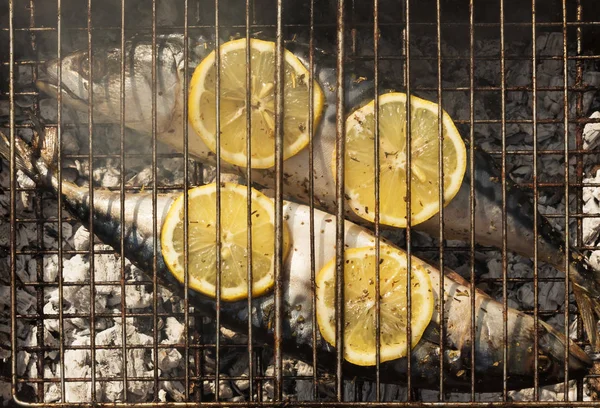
(24, 156)
(587, 296)
(36, 161)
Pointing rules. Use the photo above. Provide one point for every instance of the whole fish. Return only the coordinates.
(296, 171)
(297, 314)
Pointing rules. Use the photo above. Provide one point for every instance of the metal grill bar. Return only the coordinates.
(377, 200)
(278, 288)
(122, 212)
(504, 235)
(13, 200)
(249, 201)
(441, 201)
(218, 229)
(566, 141)
(472, 186)
(339, 197)
(186, 183)
(90, 117)
(407, 84)
(535, 196)
(195, 376)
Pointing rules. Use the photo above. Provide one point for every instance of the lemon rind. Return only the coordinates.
(450, 191)
(196, 89)
(259, 288)
(387, 353)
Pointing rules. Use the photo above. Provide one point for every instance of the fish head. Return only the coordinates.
(109, 82)
(71, 75)
(551, 355)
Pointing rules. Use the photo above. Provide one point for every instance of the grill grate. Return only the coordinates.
(65, 296)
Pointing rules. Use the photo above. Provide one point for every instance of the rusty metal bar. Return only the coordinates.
(340, 177)
(377, 198)
(472, 187)
(154, 200)
(13, 199)
(408, 199)
(60, 205)
(442, 334)
(186, 231)
(39, 213)
(249, 198)
(316, 404)
(279, 129)
(90, 117)
(218, 200)
(504, 223)
(122, 212)
(579, 158)
(318, 25)
(535, 202)
(566, 176)
(311, 190)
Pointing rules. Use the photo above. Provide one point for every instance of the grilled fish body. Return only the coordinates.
(170, 125)
(298, 319)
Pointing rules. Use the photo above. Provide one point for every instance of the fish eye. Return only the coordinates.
(83, 65)
(544, 363)
(99, 68)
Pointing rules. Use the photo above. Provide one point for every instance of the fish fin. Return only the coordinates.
(24, 156)
(588, 309)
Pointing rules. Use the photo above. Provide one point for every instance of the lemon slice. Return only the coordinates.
(360, 306)
(202, 103)
(360, 160)
(202, 243)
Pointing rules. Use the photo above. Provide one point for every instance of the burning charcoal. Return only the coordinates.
(69, 142)
(174, 331)
(22, 362)
(168, 359)
(175, 389)
(25, 301)
(550, 295)
(111, 178)
(51, 391)
(50, 324)
(304, 388)
(136, 297)
(142, 178)
(591, 226)
(78, 365)
(51, 235)
(225, 391)
(162, 395)
(591, 132)
(81, 239)
(48, 110)
(111, 391)
(76, 269)
(525, 295)
(50, 268)
(107, 268)
(240, 369)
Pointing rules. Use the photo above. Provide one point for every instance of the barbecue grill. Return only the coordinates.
(81, 325)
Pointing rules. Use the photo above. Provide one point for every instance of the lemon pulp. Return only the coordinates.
(202, 103)
(202, 242)
(393, 163)
(360, 304)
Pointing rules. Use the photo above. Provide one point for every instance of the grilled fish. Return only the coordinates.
(359, 88)
(298, 320)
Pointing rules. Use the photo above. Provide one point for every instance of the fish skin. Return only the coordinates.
(359, 89)
(297, 303)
